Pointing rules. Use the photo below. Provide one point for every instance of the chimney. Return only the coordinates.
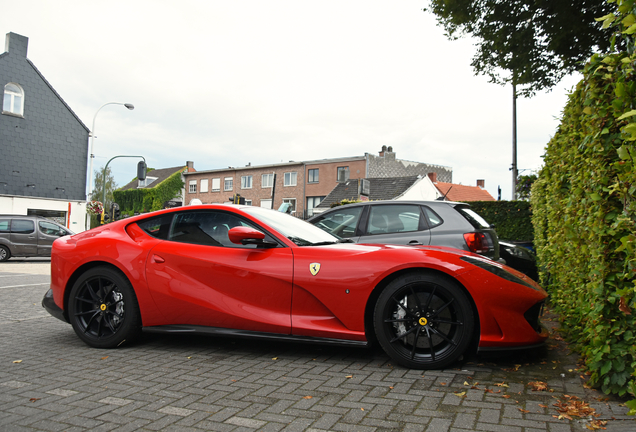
(481, 183)
(190, 166)
(433, 177)
(382, 151)
(16, 44)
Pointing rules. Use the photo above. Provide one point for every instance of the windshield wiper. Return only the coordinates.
(346, 240)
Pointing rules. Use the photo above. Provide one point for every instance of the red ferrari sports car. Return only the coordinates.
(247, 271)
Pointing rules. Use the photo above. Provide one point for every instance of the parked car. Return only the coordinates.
(247, 271)
(441, 223)
(28, 236)
(520, 258)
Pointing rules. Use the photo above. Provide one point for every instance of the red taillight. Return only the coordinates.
(477, 242)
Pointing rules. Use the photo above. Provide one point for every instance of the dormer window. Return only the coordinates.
(147, 182)
(13, 102)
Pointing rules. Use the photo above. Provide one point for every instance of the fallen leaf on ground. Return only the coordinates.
(307, 397)
(596, 424)
(275, 358)
(461, 394)
(523, 410)
(17, 361)
(570, 406)
(502, 384)
(104, 358)
(34, 399)
(538, 385)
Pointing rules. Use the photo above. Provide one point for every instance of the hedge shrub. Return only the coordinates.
(512, 219)
(145, 200)
(584, 214)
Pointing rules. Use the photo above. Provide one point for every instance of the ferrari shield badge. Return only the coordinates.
(314, 268)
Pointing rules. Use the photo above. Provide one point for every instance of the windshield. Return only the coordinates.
(300, 232)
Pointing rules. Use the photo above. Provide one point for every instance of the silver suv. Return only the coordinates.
(438, 223)
(28, 236)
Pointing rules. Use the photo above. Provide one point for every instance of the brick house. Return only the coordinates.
(44, 144)
(302, 184)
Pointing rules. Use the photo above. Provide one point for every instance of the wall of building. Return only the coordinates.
(257, 193)
(328, 175)
(74, 211)
(47, 147)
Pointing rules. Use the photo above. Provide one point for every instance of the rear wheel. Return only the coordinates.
(5, 253)
(103, 309)
(423, 321)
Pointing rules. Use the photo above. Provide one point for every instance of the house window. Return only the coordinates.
(192, 187)
(292, 202)
(147, 182)
(216, 185)
(312, 176)
(204, 185)
(248, 202)
(246, 182)
(343, 174)
(228, 184)
(267, 180)
(13, 102)
(312, 203)
(266, 203)
(290, 179)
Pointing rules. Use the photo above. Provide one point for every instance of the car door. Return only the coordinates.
(198, 277)
(396, 224)
(24, 237)
(48, 232)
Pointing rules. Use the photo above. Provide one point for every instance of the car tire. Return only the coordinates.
(423, 321)
(103, 309)
(5, 253)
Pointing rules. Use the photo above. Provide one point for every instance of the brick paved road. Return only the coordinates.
(51, 381)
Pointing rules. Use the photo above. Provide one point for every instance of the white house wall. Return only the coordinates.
(421, 190)
(75, 210)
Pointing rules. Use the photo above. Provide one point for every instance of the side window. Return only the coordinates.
(341, 223)
(20, 226)
(385, 219)
(158, 226)
(432, 217)
(4, 225)
(209, 228)
(50, 229)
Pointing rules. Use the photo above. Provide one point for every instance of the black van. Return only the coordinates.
(28, 236)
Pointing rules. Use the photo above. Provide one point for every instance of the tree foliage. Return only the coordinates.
(98, 189)
(524, 186)
(530, 43)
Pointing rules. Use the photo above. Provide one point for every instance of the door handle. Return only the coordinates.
(415, 243)
(158, 259)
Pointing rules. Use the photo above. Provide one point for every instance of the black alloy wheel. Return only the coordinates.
(423, 321)
(103, 309)
(5, 253)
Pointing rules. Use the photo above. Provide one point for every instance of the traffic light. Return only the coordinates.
(237, 199)
(114, 210)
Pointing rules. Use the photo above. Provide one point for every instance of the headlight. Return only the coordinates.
(491, 267)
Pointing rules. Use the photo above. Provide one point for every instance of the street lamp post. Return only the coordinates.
(92, 155)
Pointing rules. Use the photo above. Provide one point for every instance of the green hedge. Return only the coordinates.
(584, 214)
(512, 219)
(145, 200)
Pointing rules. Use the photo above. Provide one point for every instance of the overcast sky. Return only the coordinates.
(227, 83)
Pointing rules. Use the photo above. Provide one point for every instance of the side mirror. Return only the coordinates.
(246, 235)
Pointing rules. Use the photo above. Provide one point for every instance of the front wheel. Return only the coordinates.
(103, 309)
(423, 321)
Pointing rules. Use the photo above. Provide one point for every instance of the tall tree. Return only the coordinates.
(531, 44)
(98, 190)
